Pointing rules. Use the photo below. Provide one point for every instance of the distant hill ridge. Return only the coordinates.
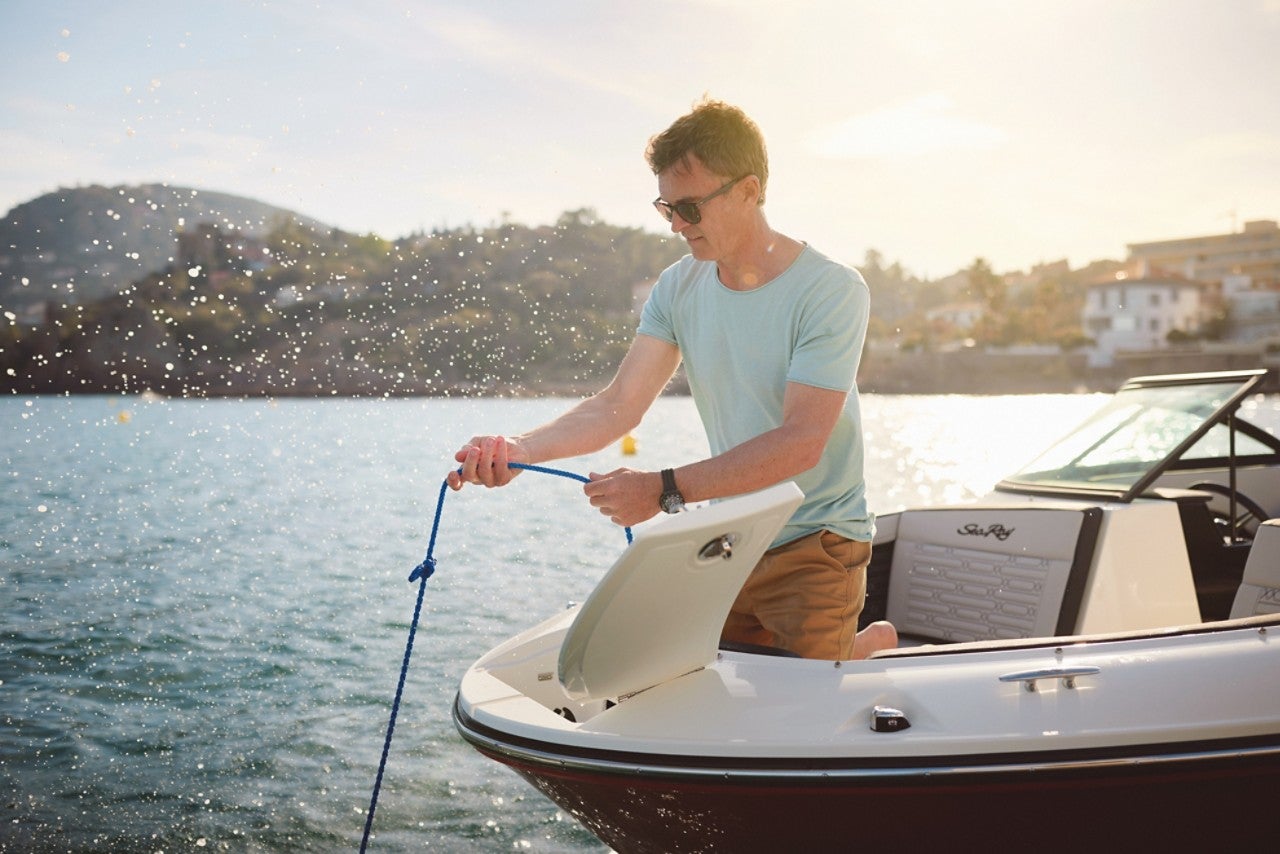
(92, 241)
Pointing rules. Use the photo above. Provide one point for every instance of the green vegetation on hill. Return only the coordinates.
(188, 292)
(319, 311)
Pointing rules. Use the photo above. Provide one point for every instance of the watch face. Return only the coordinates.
(671, 502)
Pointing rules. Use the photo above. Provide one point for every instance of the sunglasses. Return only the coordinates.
(689, 211)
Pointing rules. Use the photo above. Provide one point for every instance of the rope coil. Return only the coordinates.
(420, 574)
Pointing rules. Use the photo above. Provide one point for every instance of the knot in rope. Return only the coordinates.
(423, 570)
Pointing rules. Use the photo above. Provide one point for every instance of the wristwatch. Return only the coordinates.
(671, 501)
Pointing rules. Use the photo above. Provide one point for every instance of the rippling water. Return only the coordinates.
(204, 606)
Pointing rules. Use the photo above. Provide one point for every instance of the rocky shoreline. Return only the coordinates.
(977, 372)
(883, 371)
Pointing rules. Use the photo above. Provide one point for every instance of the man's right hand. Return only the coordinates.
(485, 461)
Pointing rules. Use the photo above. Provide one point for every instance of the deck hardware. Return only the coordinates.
(1068, 675)
(887, 719)
(545, 676)
(720, 547)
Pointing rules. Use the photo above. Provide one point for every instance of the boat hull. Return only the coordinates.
(1217, 794)
(1071, 675)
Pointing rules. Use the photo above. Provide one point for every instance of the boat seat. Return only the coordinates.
(989, 573)
(1259, 592)
(1216, 566)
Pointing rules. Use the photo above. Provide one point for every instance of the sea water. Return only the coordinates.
(204, 606)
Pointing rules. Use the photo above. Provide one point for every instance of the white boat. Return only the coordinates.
(1090, 660)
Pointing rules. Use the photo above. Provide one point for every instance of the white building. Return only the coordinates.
(1246, 264)
(961, 315)
(1139, 314)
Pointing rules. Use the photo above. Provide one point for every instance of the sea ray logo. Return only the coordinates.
(1000, 532)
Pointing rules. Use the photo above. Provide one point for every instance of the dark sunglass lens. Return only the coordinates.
(689, 212)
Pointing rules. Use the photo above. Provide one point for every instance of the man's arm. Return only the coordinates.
(589, 426)
(808, 416)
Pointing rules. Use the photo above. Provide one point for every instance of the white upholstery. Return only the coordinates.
(1259, 591)
(968, 574)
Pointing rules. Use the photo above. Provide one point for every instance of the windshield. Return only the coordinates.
(1149, 423)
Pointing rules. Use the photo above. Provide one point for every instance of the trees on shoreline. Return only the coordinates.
(308, 310)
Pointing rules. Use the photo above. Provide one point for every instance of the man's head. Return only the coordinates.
(719, 135)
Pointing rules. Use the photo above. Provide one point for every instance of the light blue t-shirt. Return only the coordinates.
(741, 348)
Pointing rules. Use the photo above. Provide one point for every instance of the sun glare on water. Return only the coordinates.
(946, 449)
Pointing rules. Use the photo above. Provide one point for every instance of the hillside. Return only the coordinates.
(86, 243)
(306, 310)
(190, 292)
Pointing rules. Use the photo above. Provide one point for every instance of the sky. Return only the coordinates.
(933, 132)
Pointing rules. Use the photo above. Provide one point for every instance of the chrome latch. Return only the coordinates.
(720, 547)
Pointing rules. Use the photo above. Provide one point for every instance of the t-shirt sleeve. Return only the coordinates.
(656, 317)
(832, 332)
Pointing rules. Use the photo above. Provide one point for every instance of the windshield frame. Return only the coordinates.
(1224, 413)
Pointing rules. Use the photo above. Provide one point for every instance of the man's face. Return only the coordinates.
(721, 226)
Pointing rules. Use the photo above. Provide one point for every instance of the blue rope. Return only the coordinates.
(421, 573)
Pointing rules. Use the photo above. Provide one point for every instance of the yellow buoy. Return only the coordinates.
(123, 416)
(628, 444)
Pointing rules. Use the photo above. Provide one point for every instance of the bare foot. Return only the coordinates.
(875, 637)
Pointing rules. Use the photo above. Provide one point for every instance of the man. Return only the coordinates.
(770, 332)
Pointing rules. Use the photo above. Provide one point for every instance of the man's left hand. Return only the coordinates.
(628, 497)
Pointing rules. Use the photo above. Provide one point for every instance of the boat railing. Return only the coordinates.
(1264, 624)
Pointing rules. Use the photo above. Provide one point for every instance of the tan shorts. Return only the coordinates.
(804, 596)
